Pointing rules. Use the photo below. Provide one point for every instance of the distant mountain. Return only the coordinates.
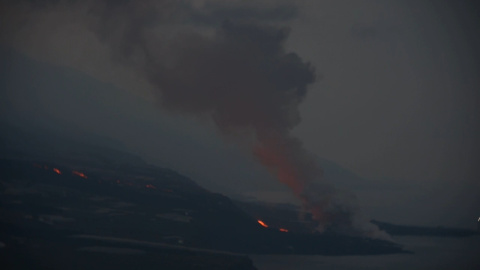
(44, 144)
(47, 95)
(404, 230)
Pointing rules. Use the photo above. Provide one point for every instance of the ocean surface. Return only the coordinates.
(439, 253)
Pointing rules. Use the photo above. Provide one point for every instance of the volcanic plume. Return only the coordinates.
(237, 72)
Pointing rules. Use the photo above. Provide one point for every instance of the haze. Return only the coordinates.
(392, 115)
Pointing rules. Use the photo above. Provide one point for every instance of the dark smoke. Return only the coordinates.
(238, 72)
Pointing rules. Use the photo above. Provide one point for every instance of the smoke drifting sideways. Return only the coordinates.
(237, 72)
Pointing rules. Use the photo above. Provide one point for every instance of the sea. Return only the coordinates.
(439, 253)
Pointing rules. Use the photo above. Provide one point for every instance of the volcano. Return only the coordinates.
(79, 208)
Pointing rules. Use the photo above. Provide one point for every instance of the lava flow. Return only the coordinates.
(262, 223)
(79, 174)
(57, 171)
(283, 230)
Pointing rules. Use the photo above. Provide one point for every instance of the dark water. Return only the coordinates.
(430, 253)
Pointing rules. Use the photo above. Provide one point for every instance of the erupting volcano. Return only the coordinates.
(237, 73)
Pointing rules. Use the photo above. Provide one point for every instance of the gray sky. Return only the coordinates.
(398, 102)
(395, 100)
(404, 82)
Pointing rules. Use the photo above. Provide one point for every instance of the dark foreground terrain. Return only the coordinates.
(68, 205)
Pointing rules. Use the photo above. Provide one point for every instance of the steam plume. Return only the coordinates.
(237, 72)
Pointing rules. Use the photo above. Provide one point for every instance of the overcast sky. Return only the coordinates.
(395, 99)
(398, 102)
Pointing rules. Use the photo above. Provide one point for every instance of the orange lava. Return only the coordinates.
(262, 223)
(57, 171)
(150, 186)
(283, 230)
(79, 174)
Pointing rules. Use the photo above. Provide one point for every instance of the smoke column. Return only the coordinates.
(237, 72)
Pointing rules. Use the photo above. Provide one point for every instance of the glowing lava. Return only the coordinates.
(79, 174)
(150, 186)
(57, 171)
(262, 223)
(283, 230)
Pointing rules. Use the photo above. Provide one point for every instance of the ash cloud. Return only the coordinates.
(238, 72)
(216, 12)
(241, 76)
